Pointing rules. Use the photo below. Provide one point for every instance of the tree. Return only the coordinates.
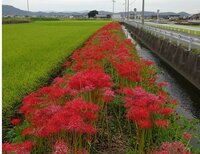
(92, 14)
(108, 16)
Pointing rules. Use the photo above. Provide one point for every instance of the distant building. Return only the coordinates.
(169, 17)
(135, 16)
(196, 16)
(79, 16)
(116, 16)
(102, 16)
(174, 17)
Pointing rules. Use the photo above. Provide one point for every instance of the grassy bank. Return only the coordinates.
(32, 52)
(182, 30)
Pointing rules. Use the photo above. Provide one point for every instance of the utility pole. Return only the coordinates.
(125, 9)
(113, 6)
(28, 5)
(142, 12)
(158, 15)
(135, 10)
(128, 16)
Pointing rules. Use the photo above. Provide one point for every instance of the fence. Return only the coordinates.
(190, 41)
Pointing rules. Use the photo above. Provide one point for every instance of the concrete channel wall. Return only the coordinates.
(186, 63)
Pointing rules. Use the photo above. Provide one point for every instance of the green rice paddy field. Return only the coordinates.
(33, 52)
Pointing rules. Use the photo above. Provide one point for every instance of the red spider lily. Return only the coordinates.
(136, 114)
(67, 63)
(108, 95)
(166, 146)
(148, 62)
(39, 119)
(15, 121)
(60, 147)
(154, 108)
(145, 124)
(163, 95)
(60, 81)
(129, 69)
(30, 102)
(74, 117)
(52, 92)
(187, 136)
(162, 152)
(173, 148)
(122, 54)
(138, 97)
(90, 80)
(82, 151)
(166, 111)
(17, 148)
(163, 84)
(143, 108)
(162, 123)
(174, 102)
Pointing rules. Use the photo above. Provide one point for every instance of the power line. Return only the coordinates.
(113, 6)
(127, 6)
(125, 9)
(142, 12)
(132, 2)
(128, 16)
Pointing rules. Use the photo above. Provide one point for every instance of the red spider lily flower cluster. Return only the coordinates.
(60, 147)
(67, 63)
(18, 148)
(173, 148)
(92, 84)
(144, 108)
(54, 119)
(129, 69)
(15, 121)
(187, 136)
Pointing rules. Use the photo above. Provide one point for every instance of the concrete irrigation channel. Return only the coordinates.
(179, 88)
(183, 61)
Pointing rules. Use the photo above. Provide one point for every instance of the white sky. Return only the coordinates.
(190, 6)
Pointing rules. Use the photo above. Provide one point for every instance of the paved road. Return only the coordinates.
(183, 38)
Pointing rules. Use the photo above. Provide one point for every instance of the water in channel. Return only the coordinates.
(180, 89)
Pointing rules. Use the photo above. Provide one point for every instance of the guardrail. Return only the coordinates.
(190, 41)
(178, 28)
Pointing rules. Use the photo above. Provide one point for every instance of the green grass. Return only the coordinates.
(193, 26)
(15, 20)
(193, 32)
(34, 52)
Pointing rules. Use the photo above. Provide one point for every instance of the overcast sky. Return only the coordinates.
(190, 6)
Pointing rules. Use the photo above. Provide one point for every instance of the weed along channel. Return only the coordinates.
(108, 100)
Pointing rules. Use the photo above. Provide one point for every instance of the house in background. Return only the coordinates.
(196, 16)
(116, 16)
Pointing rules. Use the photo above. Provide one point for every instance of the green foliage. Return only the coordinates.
(44, 19)
(92, 13)
(14, 135)
(193, 32)
(15, 20)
